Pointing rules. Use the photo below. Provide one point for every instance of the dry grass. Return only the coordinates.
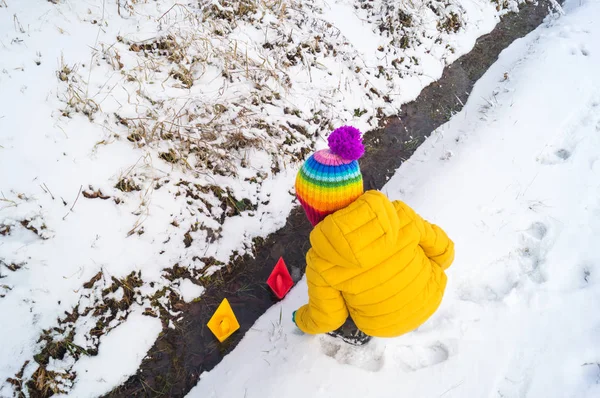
(214, 135)
(501, 4)
(451, 24)
(127, 185)
(57, 342)
(12, 266)
(4, 289)
(75, 95)
(46, 383)
(5, 229)
(201, 103)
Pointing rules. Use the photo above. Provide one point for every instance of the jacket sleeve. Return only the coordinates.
(434, 241)
(326, 309)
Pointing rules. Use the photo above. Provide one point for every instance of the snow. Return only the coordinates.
(355, 30)
(92, 217)
(189, 291)
(122, 352)
(514, 180)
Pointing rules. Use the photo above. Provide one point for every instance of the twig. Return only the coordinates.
(143, 208)
(74, 203)
(452, 388)
(87, 89)
(18, 26)
(47, 190)
(11, 203)
(305, 61)
(247, 71)
(166, 12)
(63, 130)
(522, 194)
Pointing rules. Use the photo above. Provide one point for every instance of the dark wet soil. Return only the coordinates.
(180, 355)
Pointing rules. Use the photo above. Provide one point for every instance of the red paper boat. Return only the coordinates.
(280, 280)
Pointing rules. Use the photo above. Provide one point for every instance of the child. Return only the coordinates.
(370, 258)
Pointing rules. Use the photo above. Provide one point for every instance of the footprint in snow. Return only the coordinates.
(489, 291)
(586, 271)
(590, 372)
(564, 146)
(368, 357)
(563, 154)
(412, 358)
(538, 230)
(532, 253)
(584, 275)
(580, 51)
(515, 384)
(491, 282)
(584, 51)
(555, 156)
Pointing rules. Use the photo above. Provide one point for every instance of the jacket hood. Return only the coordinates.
(360, 235)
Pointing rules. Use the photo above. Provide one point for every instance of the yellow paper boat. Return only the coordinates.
(223, 322)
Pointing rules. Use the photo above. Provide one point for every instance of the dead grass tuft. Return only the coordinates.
(94, 194)
(36, 226)
(46, 383)
(169, 157)
(12, 266)
(108, 309)
(168, 47)
(184, 75)
(5, 229)
(451, 24)
(64, 73)
(231, 11)
(17, 381)
(501, 4)
(127, 185)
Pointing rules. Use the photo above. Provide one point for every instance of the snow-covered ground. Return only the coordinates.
(515, 180)
(143, 143)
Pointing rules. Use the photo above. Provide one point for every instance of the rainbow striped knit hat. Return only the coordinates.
(330, 179)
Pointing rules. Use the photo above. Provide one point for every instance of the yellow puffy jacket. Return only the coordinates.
(377, 261)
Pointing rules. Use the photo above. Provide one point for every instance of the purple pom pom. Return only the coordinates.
(346, 142)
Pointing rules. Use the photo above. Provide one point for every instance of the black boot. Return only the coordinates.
(350, 334)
